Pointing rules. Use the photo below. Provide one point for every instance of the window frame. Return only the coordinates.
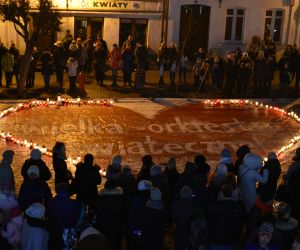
(235, 17)
(273, 18)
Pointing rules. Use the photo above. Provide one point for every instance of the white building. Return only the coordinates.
(207, 23)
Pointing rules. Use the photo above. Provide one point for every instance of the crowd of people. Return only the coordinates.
(239, 69)
(237, 205)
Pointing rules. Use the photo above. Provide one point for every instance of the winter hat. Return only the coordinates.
(36, 154)
(225, 153)
(252, 161)
(266, 229)
(33, 170)
(112, 172)
(242, 151)
(155, 194)
(186, 193)
(272, 156)
(155, 170)
(144, 185)
(8, 155)
(199, 160)
(221, 169)
(36, 210)
(117, 160)
(283, 211)
(147, 160)
(171, 164)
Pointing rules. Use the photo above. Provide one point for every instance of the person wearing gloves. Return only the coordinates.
(248, 177)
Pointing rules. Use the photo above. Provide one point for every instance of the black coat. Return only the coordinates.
(173, 177)
(110, 215)
(87, 178)
(294, 190)
(259, 70)
(225, 222)
(32, 191)
(182, 214)
(154, 225)
(161, 182)
(62, 212)
(45, 174)
(62, 174)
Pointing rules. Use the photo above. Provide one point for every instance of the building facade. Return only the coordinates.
(212, 24)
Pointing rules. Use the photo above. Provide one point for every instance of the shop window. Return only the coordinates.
(234, 25)
(135, 27)
(88, 27)
(273, 25)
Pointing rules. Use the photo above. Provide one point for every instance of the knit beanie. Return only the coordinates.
(36, 154)
(225, 153)
(155, 170)
(186, 193)
(266, 229)
(117, 160)
(155, 194)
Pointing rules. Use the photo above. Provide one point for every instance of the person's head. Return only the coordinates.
(272, 156)
(59, 150)
(114, 46)
(58, 44)
(155, 170)
(79, 41)
(245, 55)
(242, 151)
(97, 44)
(36, 154)
(201, 50)
(8, 156)
(171, 164)
(33, 172)
(68, 32)
(261, 55)
(88, 159)
(130, 38)
(12, 44)
(173, 46)
(73, 42)
(139, 44)
(147, 161)
(265, 233)
(112, 173)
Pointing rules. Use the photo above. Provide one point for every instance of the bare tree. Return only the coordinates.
(30, 21)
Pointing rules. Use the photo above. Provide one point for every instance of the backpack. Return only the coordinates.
(199, 233)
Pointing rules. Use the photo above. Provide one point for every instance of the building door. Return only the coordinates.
(88, 27)
(194, 27)
(135, 27)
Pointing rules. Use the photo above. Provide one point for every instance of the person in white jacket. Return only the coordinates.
(248, 177)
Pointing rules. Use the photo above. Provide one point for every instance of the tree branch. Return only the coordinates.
(19, 32)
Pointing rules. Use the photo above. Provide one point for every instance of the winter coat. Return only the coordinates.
(86, 180)
(141, 57)
(32, 191)
(128, 59)
(270, 69)
(129, 186)
(230, 71)
(72, 67)
(136, 210)
(163, 55)
(7, 62)
(173, 177)
(109, 210)
(294, 190)
(154, 223)
(182, 212)
(45, 174)
(82, 55)
(225, 222)
(259, 70)
(7, 179)
(115, 57)
(62, 174)
(100, 59)
(13, 230)
(245, 67)
(288, 229)
(47, 68)
(248, 179)
(8, 202)
(62, 212)
(92, 239)
(34, 236)
(161, 182)
(267, 190)
(59, 58)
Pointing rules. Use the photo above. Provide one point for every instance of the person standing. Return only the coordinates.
(128, 59)
(130, 41)
(72, 65)
(259, 73)
(7, 64)
(285, 72)
(115, 57)
(99, 62)
(7, 180)
(245, 67)
(183, 63)
(163, 61)
(217, 73)
(2, 52)
(230, 74)
(16, 54)
(173, 57)
(46, 67)
(59, 58)
(82, 55)
(271, 67)
(141, 56)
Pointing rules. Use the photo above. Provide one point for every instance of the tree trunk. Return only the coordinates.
(24, 67)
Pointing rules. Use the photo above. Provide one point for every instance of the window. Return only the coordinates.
(273, 25)
(86, 27)
(135, 27)
(234, 25)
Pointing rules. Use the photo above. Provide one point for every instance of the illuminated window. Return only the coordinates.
(273, 25)
(234, 25)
